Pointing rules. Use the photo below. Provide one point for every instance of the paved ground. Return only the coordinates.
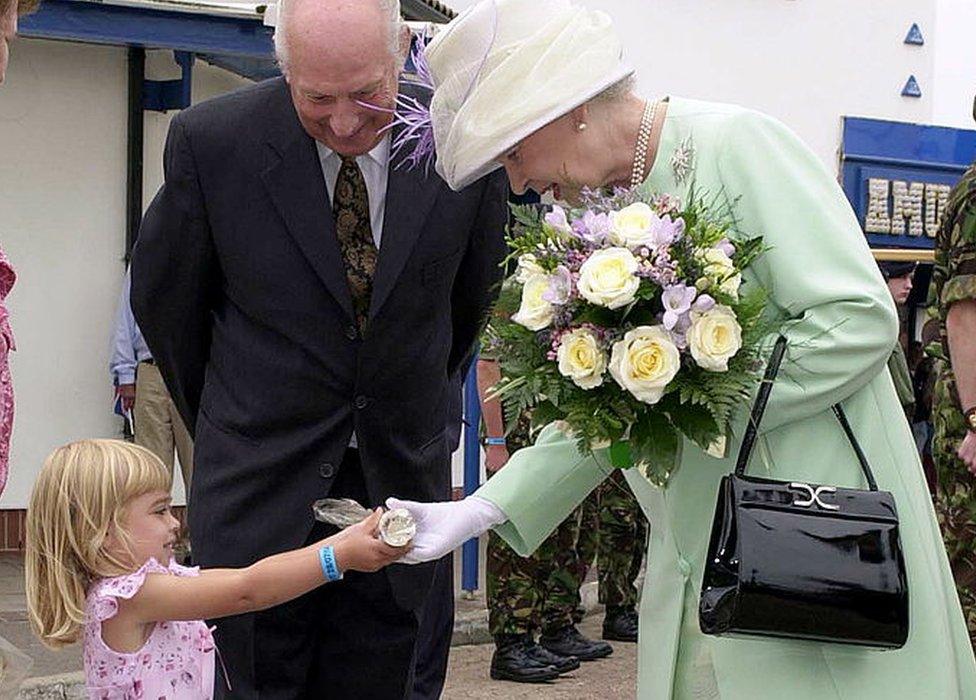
(15, 628)
(613, 678)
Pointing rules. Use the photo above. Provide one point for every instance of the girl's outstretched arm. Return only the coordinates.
(269, 582)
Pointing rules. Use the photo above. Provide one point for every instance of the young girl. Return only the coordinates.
(100, 539)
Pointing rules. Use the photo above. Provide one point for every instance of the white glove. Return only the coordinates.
(443, 527)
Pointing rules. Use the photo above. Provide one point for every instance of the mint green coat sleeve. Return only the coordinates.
(841, 322)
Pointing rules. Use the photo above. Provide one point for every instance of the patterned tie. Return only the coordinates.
(350, 206)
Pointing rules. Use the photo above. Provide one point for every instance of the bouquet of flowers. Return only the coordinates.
(627, 319)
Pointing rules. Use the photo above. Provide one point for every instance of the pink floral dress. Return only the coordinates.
(176, 662)
(7, 279)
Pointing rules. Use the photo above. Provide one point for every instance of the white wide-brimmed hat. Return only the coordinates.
(505, 68)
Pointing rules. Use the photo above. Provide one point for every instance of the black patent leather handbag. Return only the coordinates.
(804, 561)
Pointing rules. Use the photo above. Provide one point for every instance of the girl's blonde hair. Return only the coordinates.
(78, 500)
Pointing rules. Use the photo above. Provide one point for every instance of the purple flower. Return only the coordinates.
(677, 301)
(592, 228)
(725, 245)
(664, 231)
(703, 303)
(662, 270)
(557, 219)
(560, 286)
(679, 334)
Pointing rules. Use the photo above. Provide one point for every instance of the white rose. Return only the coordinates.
(527, 267)
(535, 313)
(608, 278)
(581, 358)
(631, 226)
(645, 362)
(714, 337)
(731, 286)
(720, 268)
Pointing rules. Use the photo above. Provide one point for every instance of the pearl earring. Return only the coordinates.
(581, 126)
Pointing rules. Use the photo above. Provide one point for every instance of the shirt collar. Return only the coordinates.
(379, 155)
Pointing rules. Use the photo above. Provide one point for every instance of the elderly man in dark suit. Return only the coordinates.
(311, 306)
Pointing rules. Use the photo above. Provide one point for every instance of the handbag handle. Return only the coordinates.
(759, 407)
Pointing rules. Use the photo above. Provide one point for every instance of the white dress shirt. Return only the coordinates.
(375, 167)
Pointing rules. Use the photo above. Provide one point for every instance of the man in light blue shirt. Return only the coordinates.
(156, 423)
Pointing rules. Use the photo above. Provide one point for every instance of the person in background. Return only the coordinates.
(924, 378)
(953, 295)
(614, 535)
(10, 10)
(899, 276)
(14, 665)
(157, 424)
(7, 279)
(539, 593)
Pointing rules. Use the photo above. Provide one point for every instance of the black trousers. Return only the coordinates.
(436, 630)
(347, 639)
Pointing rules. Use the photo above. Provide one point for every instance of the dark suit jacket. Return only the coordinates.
(239, 288)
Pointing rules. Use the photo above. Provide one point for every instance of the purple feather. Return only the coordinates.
(418, 59)
(415, 138)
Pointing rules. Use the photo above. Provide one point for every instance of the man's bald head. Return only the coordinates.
(373, 25)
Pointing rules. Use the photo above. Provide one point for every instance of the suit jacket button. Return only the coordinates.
(327, 470)
(352, 332)
(361, 402)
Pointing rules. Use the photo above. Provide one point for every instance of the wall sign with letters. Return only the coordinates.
(897, 177)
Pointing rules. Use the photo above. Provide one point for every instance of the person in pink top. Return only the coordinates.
(99, 567)
(7, 279)
(10, 10)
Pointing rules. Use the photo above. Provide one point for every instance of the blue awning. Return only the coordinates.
(123, 25)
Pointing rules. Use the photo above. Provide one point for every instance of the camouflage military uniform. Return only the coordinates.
(540, 592)
(614, 532)
(954, 279)
(902, 377)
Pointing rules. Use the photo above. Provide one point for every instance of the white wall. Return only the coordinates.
(807, 62)
(955, 63)
(62, 223)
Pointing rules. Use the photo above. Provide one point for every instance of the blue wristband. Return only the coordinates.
(494, 441)
(329, 567)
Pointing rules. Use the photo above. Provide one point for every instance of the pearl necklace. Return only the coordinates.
(643, 140)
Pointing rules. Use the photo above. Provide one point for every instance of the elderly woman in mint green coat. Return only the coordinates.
(528, 106)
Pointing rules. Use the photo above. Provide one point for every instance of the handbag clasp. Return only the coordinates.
(812, 496)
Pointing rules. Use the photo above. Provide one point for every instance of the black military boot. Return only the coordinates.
(620, 625)
(567, 641)
(563, 664)
(512, 661)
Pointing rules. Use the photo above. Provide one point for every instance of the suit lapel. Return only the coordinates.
(296, 185)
